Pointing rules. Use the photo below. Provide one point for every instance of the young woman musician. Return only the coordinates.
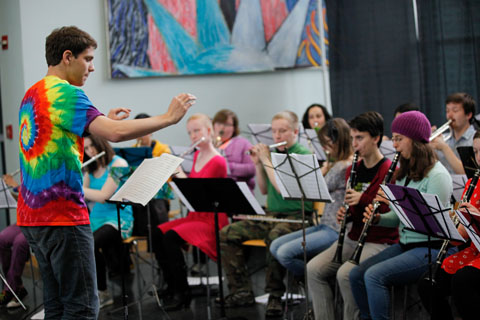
(198, 227)
(406, 261)
(235, 147)
(99, 186)
(435, 299)
(315, 117)
(335, 137)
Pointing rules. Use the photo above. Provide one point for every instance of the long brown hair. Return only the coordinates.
(222, 117)
(100, 144)
(338, 131)
(422, 159)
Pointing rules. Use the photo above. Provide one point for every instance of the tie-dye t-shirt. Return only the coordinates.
(54, 116)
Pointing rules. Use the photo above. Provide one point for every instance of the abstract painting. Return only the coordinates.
(190, 37)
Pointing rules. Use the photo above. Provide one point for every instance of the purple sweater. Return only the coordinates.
(239, 163)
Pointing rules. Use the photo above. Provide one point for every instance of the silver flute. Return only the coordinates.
(94, 158)
(441, 130)
(192, 147)
(273, 146)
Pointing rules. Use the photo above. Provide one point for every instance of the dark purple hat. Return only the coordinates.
(413, 124)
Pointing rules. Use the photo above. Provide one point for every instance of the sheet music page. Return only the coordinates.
(187, 163)
(396, 207)
(250, 197)
(149, 177)
(6, 199)
(181, 196)
(286, 181)
(387, 149)
(459, 182)
(315, 143)
(311, 178)
(261, 133)
(466, 219)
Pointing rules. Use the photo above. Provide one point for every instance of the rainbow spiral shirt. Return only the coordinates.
(54, 116)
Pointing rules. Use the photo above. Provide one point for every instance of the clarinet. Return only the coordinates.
(355, 259)
(465, 198)
(341, 236)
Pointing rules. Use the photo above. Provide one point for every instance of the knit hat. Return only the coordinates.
(413, 124)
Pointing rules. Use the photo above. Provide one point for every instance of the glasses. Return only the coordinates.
(397, 139)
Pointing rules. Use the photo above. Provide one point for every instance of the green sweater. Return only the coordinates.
(438, 181)
(275, 201)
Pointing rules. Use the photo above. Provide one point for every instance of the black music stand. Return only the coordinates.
(216, 195)
(467, 156)
(299, 177)
(422, 213)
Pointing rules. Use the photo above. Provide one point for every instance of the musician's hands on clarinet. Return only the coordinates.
(119, 113)
(341, 214)
(179, 106)
(352, 197)
(368, 213)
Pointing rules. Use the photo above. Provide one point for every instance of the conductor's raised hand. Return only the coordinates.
(179, 106)
(341, 214)
(119, 113)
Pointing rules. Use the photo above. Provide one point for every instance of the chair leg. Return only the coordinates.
(137, 276)
(209, 305)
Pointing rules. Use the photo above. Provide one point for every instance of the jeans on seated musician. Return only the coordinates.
(284, 128)
(99, 186)
(435, 299)
(366, 131)
(198, 228)
(288, 250)
(407, 261)
(460, 108)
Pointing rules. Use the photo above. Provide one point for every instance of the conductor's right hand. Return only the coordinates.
(341, 214)
(179, 106)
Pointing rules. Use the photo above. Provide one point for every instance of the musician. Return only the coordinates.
(54, 117)
(198, 228)
(366, 132)
(435, 299)
(99, 186)
(407, 261)
(460, 109)
(284, 128)
(14, 254)
(235, 147)
(287, 249)
(315, 117)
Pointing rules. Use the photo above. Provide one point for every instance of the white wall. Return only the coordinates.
(254, 97)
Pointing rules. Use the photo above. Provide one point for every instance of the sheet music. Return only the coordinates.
(435, 216)
(309, 139)
(181, 196)
(459, 181)
(187, 163)
(261, 133)
(6, 199)
(471, 225)
(250, 197)
(309, 174)
(147, 179)
(387, 149)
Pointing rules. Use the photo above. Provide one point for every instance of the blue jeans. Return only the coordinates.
(370, 281)
(288, 249)
(67, 264)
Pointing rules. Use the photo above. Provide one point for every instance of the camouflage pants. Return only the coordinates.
(233, 260)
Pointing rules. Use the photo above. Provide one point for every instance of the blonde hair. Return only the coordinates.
(204, 119)
(290, 116)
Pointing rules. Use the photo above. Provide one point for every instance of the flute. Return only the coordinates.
(441, 130)
(272, 146)
(193, 146)
(93, 159)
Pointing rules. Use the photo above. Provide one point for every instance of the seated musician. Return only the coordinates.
(435, 299)
(287, 249)
(407, 261)
(234, 147)
(198, 228)
(284, 128)
(99, 186)
(366, 131)
(315, 117)
(461, 110)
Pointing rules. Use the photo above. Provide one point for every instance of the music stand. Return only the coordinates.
(299, 177)
(8, 202)
(422, 213)
(187, 163)
(261, 133)
(309, 138)
(468, 160)
(216, 195)
(471, 222)
(140, 188)
(459, 181)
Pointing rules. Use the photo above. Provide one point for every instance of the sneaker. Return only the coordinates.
(21, 293)
(238, 299)
(5, 297)
(274, 307)
(105, 298)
